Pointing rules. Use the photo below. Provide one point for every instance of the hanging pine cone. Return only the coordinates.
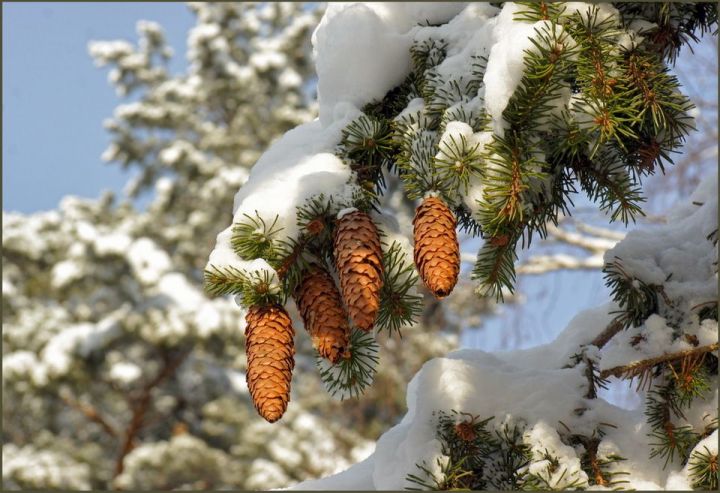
(437, 253)
(270, 350)
(358, 258)
(320, 306)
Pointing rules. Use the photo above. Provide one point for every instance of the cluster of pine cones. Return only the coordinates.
(328, 313)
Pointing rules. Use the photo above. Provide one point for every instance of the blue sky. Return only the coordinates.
(55, 98)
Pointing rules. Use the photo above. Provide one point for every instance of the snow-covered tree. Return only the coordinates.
(114, 357)
(493, 118)
(120, 370)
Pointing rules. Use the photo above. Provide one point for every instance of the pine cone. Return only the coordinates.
(320, 306)
(358, 258)
(437, 253)
(269, 346)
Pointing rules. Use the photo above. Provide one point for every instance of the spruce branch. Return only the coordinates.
(456, 162)
(475, 118)
(512, 457)
(495, 266)
(616, 326)
(225, 280)
(638, 368)
(355, 372)
(669, 439)
(704, 469)
(605, 180)
(416, 160)
(254, 238)
(466, 446)
(544, 480)
(398, 305)
(637, 300)
(677, 23)
(507, 179)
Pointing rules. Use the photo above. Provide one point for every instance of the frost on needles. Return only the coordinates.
(491, 119)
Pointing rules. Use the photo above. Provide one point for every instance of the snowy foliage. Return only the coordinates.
(123, 373)
(468, 67)
(104, 317)
(544, 390)
(100, 298)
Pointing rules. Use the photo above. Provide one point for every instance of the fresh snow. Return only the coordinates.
(361, 53)
(533, 387)
(376, 37)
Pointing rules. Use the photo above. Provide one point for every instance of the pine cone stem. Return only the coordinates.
(437, 252)
(325, 319)
(270, 359)
(358, 257)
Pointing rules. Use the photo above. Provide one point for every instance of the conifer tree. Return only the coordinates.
(109, 330)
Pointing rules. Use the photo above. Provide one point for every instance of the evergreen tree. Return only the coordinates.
(123, 373)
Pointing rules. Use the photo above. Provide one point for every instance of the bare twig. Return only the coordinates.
(90, 412)
(141, 405)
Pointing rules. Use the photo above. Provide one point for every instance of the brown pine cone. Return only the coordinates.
(320, 306)
(437, 253)
(270, 350)
(358, 257)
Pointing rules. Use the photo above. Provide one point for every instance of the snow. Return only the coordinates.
(65, 272)
(28, 467)
(297, 167)
(677, 249)
(680, 480)
(58, 355)
(545, 439)
(378, 47)
(125, 372)
(538, 388)
(148, 261)
(114, 243)
(505, 63)
(345, 211)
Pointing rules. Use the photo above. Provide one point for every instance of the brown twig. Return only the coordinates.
(141, 405)
(92, 414)
(604, 337)
(634, 369)
(591, 446)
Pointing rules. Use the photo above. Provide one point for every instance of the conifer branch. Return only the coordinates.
(637, 368)
(398, 306)
(704, 469)
(617, 325)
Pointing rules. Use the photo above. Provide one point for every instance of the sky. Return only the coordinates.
(55, 98)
